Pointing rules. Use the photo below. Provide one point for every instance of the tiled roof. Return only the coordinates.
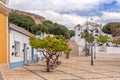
(19, 29)
(78, 25)
(97, 25)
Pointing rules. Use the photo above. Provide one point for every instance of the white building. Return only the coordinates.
(78, 29)
(78, 40)
(21, 52)
(99, 51)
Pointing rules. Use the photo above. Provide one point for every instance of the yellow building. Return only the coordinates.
(4, 34)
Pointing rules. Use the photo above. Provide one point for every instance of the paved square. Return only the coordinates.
(75, 68)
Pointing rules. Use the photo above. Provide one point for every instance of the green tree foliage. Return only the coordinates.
(112, 28)
(47, 26)
(21, 20)
(72, 33)
(60, 37)
(67, 52)
(116, 41)
(55, 28)
(51, 46)
(88, 39)
(107, 29)
(87, 36)
(103, 39)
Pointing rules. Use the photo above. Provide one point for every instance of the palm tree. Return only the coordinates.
(88, 39)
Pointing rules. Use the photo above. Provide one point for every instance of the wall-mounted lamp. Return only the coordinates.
(13, 46)
(23, 50)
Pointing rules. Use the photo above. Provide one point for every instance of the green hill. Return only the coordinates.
(47, 26)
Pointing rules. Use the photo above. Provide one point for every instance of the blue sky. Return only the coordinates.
(71, 12)
(111, 7)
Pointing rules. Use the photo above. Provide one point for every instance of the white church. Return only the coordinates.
(80, 28)
(98, 51)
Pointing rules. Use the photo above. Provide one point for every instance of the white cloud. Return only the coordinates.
(69, 20)
(50, 10)
(56, 5)
(110, 15)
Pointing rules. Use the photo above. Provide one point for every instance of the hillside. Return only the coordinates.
(37, 18)
(37, 24)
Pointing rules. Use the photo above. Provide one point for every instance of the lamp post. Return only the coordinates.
(93, 54)
(100, 28)
(93, 27)
(91, 44)
(92, 63)
(94, 50)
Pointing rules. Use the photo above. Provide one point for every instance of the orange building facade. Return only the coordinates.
(4, 34)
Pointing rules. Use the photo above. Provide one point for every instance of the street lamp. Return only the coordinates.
(91, 44)
(93, 27)
(94, 50)
(97, 31)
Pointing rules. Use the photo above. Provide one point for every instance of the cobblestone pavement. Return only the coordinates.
(75, 68)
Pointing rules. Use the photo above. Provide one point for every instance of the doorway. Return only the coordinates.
(25, 53)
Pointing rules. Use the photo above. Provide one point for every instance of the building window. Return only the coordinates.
(17, 48)
(97, 31)
(78, 29)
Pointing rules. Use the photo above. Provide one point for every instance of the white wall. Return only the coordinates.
(19, 37)
(109, 52)
(77, 35)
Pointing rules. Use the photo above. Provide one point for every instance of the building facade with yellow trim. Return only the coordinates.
(4, 32)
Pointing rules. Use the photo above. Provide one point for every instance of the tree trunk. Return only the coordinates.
(89, 49)
(48, 65)
(86, 46)
(87, 53)
(67, 56)
(56, 59)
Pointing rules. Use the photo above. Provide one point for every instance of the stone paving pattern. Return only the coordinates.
(75, 68)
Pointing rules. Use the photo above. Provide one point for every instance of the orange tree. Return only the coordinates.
(50, 46)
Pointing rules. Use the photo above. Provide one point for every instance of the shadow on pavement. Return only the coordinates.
(35, 73)
(1, 78)
(34, 65)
